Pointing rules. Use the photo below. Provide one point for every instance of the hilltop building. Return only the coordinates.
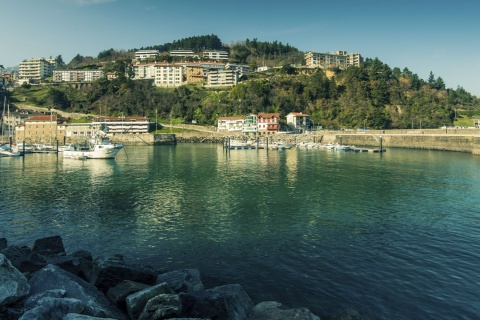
(146, 54)
(35, 69)
(77, 75)
(215, 55)
(340, 59)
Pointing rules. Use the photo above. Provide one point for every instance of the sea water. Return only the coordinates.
(393, 235)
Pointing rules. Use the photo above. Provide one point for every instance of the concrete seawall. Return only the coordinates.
(458, 140)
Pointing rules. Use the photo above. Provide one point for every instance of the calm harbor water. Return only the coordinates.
(394, 236)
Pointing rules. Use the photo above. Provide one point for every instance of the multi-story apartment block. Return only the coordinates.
(268, 123)
(146, 54)
(35, 69)
(215, 55)
(198, 71)
(240, 68)
(298, 122)
(168, 75)
(144, 71)
(222, 78)
(181, 53)
(77, 75)
(340, 59)
(231, 124)
(113, 125)
(40, 129)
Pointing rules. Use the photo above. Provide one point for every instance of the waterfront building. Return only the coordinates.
(250, 126)
(77, 75)
(79, 130)
(298, 122)
(222, 78)
(233, 124)
(268, 123)
(113, 125)
(340, 59)
(35, 69)
(41, 129)
(215, 55)
(146, 54)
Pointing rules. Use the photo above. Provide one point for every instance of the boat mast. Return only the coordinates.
(3, 116)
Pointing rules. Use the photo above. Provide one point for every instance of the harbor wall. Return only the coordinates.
(457, 141)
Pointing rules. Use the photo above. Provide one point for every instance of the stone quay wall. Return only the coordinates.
(459, 140)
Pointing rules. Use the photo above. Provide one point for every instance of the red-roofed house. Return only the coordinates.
(40, 129)
(268, 123)
(297, 121)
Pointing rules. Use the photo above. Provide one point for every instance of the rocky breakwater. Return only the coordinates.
(44, 282)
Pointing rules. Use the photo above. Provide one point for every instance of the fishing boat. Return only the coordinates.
(98, 147)
(6, 151)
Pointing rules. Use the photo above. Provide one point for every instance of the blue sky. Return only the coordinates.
(422, 35)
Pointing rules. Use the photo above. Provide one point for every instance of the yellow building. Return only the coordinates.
(40, 129)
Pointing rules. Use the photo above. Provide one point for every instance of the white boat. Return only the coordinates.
(24, 148)
(237, 144)
(66, 147)
(99, 147)
(342, 147)
(6, 151)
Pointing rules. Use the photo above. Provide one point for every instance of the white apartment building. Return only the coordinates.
(144, 71)
(113, 125)
(298, 122)
(181, 53)
(215, 55)
(231, 124)
(222, 78)
(35, 69)
(77, 75)
(146, 54)
(240, 68)
(340, 59)
(168, 75)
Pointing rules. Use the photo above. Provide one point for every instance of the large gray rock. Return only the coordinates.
(80, 263)
(75, 316)
(13, 284)
(24, 259)
(49, 246)
(163, 306)
(96, 304)
(32, 300)
(53, 309)
(110, 272)
(121, 291)
(185, 280)
(3, 243)
(272, 310)
(228, 302)
(137, 301)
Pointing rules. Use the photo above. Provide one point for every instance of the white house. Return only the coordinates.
(297, 121)
(231, 124)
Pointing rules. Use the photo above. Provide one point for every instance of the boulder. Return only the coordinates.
(3, 243)
(32, 300)
(49, 246)
(137, 301)
(13, 284)
(163, 306)
(24, 259)
(53, 309)
(75, 316)
(109, 272)
(121, 291)
(80, 263)
(95, 303)
(229, 302)
(185, 280)
(272, 310)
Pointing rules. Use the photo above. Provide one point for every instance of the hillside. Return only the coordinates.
(372, 95)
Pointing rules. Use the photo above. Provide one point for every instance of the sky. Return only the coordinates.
(442, 37)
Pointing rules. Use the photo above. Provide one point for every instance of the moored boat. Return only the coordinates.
(99, 147)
